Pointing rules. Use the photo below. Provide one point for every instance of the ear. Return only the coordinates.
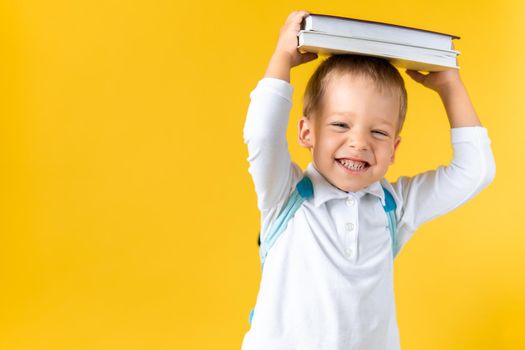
(396, 144)
(305, 132)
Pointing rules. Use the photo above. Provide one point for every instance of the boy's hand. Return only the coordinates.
(286, 54)
(287, 43)
(448, 85)
(441, 82)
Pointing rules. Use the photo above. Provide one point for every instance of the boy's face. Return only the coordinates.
(354, 139)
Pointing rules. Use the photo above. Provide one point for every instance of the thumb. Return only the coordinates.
(307, 57)
(420, 78)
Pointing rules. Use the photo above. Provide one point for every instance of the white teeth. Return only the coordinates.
(352, 165)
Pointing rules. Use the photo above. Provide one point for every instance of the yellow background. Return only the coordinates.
(128, 218)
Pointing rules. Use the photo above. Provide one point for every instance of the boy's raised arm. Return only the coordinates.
(272, 171)
(453, 93)
(436, 192)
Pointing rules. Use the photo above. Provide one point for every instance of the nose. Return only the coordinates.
(358, 139)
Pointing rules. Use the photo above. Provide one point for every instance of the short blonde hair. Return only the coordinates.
(379, 70)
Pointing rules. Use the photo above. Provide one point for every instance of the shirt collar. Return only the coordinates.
(325, 191)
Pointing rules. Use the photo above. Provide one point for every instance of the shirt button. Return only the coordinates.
(348, 252)
(349, 226)
(350, 201)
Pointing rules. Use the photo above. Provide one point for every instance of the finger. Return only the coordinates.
(298, 16)
(415, 75)
(295, 15)
(303, 13)
(291, 17)
(307, 57)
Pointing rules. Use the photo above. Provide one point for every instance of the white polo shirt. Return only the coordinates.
(327, 282)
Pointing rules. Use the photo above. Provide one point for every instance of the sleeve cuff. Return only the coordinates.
(278, 86)
(468, 133)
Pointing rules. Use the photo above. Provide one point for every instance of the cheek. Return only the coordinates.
(333, 139)
(326, 147)
(330, 142)
(385, 152)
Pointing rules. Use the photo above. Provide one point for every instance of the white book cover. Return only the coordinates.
(379, 31)
(410, 57)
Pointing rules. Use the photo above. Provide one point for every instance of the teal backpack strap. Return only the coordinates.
(390, 210)
(303, 190)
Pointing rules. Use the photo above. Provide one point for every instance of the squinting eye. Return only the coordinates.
(339, 124)
(380, 132)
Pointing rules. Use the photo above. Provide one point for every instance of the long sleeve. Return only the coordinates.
(436, 192)
(273, 173)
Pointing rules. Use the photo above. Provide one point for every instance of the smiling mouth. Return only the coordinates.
(353, 166)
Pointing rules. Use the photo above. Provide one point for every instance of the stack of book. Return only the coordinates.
(405, 47)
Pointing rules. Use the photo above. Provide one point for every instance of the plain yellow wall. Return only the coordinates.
(128, 218)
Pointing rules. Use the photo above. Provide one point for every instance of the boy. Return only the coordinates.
(327, 282)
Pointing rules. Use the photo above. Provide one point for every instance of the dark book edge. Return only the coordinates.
(381, 23)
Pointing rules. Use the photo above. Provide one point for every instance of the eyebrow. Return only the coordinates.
(385, 121)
